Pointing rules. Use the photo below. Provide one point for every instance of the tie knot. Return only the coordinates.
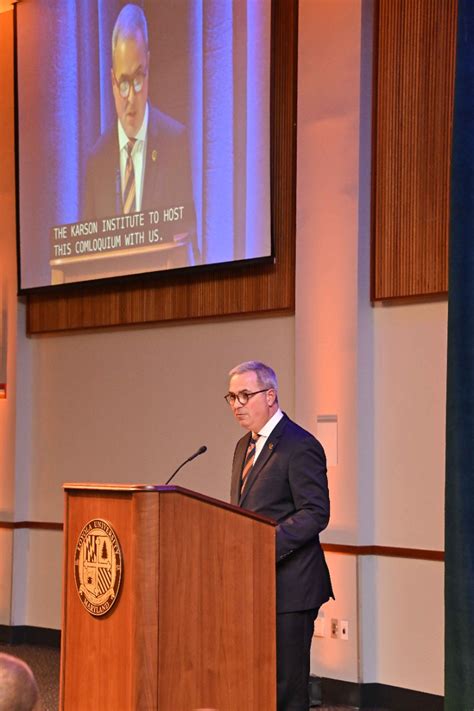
(255, 437)
(130, 145)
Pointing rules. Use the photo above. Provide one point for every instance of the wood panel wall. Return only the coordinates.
(415, 44)
(249, 290)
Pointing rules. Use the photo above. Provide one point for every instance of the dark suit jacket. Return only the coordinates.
(289, 484)
(167, 179)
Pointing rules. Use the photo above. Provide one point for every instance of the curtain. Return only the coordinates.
(459, 520)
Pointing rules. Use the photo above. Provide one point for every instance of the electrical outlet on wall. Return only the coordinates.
(334, 628)
(344, 629)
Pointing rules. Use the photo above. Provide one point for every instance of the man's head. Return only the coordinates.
(130, 63)
(18, 689)
(248, 378)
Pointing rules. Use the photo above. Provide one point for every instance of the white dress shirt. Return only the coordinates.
(266, 431)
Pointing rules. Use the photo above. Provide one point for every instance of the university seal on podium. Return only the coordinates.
(98, 566)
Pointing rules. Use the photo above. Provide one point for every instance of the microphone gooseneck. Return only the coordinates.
(201, 450)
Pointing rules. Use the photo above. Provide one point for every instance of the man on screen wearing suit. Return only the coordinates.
(142, 162)
(279, 471)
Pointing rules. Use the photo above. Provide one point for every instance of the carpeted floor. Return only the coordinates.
(44, 661)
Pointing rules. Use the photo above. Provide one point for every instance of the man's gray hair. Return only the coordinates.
(18, 689)
(266, 376)
(131, 19)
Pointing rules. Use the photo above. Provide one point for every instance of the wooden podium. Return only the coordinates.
(192, 625)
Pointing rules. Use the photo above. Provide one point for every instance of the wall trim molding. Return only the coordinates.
(33, 525)
(384, 551)
(345, 549)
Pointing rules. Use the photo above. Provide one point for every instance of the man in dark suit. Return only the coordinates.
(279, 471)
(142, 161)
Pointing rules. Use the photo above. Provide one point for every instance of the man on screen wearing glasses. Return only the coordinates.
(142, 162)
(279, 471)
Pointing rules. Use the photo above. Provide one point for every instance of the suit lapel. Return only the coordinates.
(153, 178)
(110, 201)
(237, 468)
(263, 457)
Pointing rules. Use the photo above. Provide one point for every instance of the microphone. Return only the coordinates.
(201, 450)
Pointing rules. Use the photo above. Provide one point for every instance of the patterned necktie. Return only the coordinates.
(129, 193)
(249, 460)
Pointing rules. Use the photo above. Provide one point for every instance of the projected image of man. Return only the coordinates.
(142, 162)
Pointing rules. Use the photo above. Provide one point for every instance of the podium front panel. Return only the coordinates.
(193, 623)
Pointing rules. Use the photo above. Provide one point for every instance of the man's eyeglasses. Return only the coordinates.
(242, 397)
(126, 83)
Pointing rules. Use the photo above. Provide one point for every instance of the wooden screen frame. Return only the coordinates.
(414, 63)
(251, 290)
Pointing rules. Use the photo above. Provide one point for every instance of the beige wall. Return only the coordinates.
(6, 563)
(409, 424)
(326, 320)
(401, 617)
(381, 371)
(130, 404)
